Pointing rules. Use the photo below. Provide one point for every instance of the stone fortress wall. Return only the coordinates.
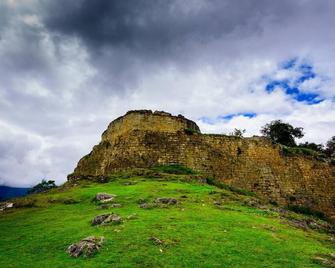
(143, 138)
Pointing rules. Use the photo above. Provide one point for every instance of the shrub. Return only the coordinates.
(289, 151)
(307, 211)
(190, 131)
(312, 146)
(330, 148)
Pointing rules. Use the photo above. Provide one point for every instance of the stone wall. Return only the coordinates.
(143, 139)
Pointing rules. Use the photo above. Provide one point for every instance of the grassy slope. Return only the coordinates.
(196, 232)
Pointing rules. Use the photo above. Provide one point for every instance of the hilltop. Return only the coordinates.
(142, 139)
(208, 226)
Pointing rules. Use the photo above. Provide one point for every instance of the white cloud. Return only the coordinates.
(59, 91)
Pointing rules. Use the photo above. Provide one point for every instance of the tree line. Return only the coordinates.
(285, 134)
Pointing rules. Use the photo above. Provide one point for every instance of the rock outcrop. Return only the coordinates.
(86, 247)
(142, 139)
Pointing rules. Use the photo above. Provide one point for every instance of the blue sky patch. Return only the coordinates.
(292, 88)
(231, 116)
(227, 117)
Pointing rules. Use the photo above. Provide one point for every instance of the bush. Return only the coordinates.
(330, 148)
(298, 150)
(190, 131)
(312, 146)
(290, 151)
(173, 169)
(307, 211)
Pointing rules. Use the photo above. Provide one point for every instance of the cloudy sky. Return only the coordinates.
(67, 68)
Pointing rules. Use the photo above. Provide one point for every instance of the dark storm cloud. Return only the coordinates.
(128, 39)
(68, 67)
(158, 28)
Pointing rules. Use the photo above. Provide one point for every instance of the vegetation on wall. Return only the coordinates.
(283, 133)
(173, 169)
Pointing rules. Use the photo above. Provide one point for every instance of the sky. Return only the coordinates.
(68, 68)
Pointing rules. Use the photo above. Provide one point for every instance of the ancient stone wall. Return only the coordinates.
(144, 139)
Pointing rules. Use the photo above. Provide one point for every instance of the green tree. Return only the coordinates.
(43, 186)
(330, 147)
(283, 133)
(238, 132)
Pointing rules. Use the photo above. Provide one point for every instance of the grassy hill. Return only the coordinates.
(208, 227)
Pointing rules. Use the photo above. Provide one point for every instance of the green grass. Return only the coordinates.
(173, 169)
(196, 233)
(225, 186)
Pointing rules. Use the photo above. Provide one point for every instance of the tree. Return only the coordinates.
(282, 133)
(43, 186)
(330, 147)
(238, 132)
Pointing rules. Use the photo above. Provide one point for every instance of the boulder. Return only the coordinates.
(105, 219)
(86, 247)
(144, 205)
(165, 200)
(141, 201)
(217, 202)
(156, 240)
(132, 217)
(6, 205)
(103, 197)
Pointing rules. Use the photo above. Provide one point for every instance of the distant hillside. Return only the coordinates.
(10, 192)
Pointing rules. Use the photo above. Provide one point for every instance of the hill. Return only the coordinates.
(142, 139)
(208, 226)
(7, 192)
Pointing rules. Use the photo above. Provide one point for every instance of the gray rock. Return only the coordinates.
(165, 200)
(314, 224)
(103, 197)
(141, 201)
(144, 205)
(116, 205)
(155, 240)
(103, 206)
(6, 205)
(132, 217)
(105, 219)
(86, 247)
(327, 260)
